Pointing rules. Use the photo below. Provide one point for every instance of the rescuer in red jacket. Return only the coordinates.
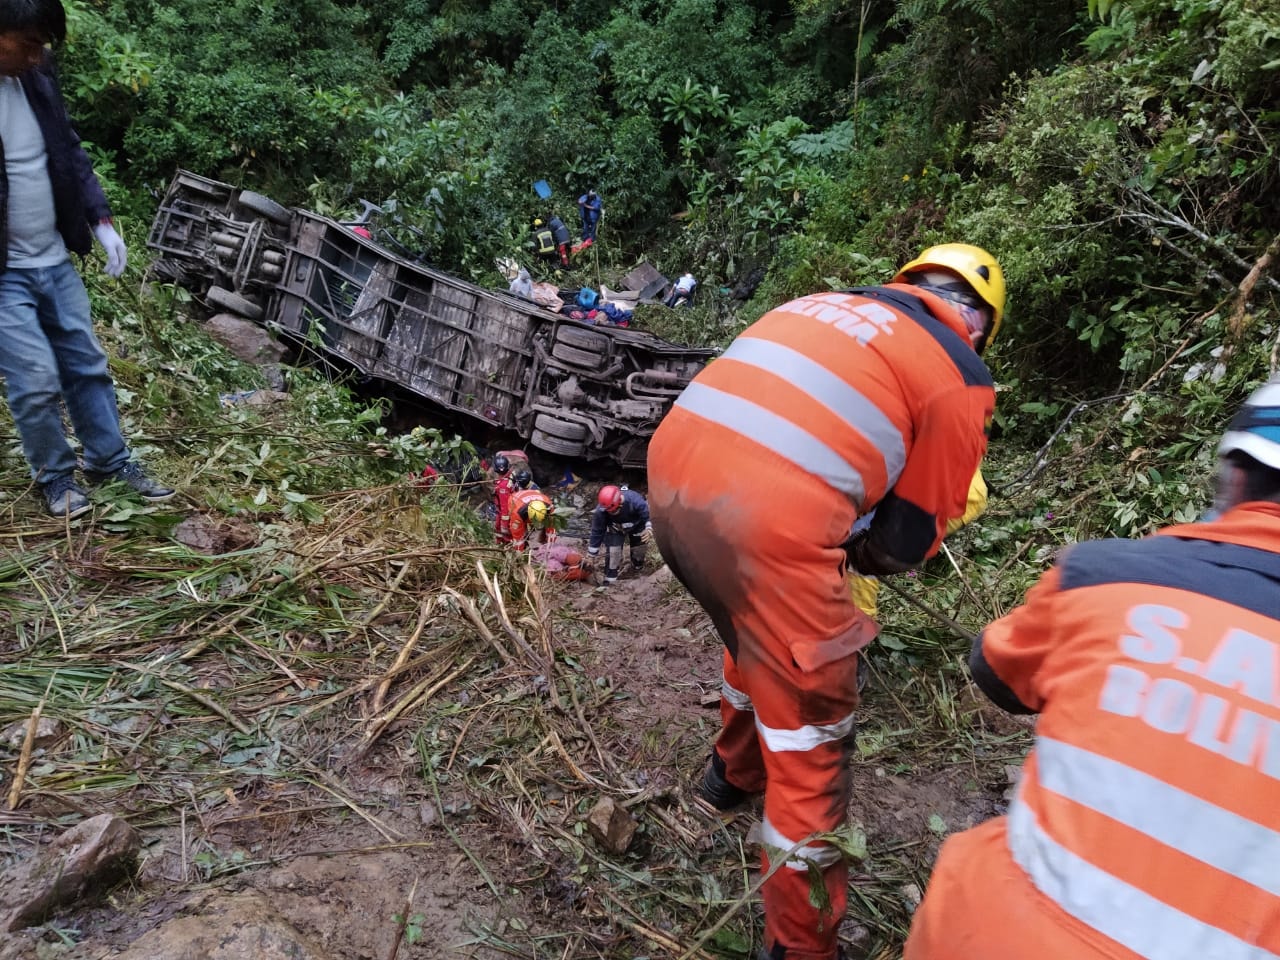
(503, 486)
(833, 405)
(1147, 818)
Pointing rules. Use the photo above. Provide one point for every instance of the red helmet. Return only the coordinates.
(610, 498)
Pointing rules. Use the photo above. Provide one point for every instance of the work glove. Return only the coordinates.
(856, 552)
(647, 535)
(869, 561)
(117, 255)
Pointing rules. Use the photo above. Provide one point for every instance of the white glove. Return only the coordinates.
(647, 535)
(117, 256)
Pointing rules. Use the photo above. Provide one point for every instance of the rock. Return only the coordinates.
(611, 825)
(1012, 773)
(245, 339)
(855, 938)
(85, 859)
(213, 537)
(260, 398)
(241, 927)
(911, 896)
(273, 373)
(662, 576)
(48, 731)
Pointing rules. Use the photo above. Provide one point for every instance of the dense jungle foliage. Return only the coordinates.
(1119, 157)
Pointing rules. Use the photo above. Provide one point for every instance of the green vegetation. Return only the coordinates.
(1119, 156)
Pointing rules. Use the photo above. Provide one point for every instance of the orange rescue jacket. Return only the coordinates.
(1149, 809)
(876, 392)
(519, 504)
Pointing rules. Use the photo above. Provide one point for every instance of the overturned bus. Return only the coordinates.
(568, 387)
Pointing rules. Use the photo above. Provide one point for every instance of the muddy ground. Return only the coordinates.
(462, 831)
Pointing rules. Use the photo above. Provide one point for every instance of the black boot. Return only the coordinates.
(718, 791)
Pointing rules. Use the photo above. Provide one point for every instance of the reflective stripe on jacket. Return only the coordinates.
(1149, 809)
(876, 392)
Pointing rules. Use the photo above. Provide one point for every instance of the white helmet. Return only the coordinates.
(1255, 429)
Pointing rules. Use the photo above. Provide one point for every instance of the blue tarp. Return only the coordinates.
(542, 189)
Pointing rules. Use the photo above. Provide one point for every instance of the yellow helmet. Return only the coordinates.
(537, 222)
(974, 265)
(538, 511)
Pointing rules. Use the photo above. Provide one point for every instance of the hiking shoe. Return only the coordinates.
(65, 499)
(136, 478)
(718, 791)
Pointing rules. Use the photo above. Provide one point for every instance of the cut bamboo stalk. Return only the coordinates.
(24, 757)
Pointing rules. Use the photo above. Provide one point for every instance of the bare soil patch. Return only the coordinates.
(436, 806)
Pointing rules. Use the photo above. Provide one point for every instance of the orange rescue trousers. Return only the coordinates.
(792, 634)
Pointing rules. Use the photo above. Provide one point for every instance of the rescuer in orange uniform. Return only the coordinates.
(530, 512)
(833, 405)
(1147, 820)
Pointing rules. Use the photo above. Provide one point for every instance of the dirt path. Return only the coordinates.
(462, 834)
(913, 783)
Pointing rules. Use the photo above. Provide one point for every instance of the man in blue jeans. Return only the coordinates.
(54, 206)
